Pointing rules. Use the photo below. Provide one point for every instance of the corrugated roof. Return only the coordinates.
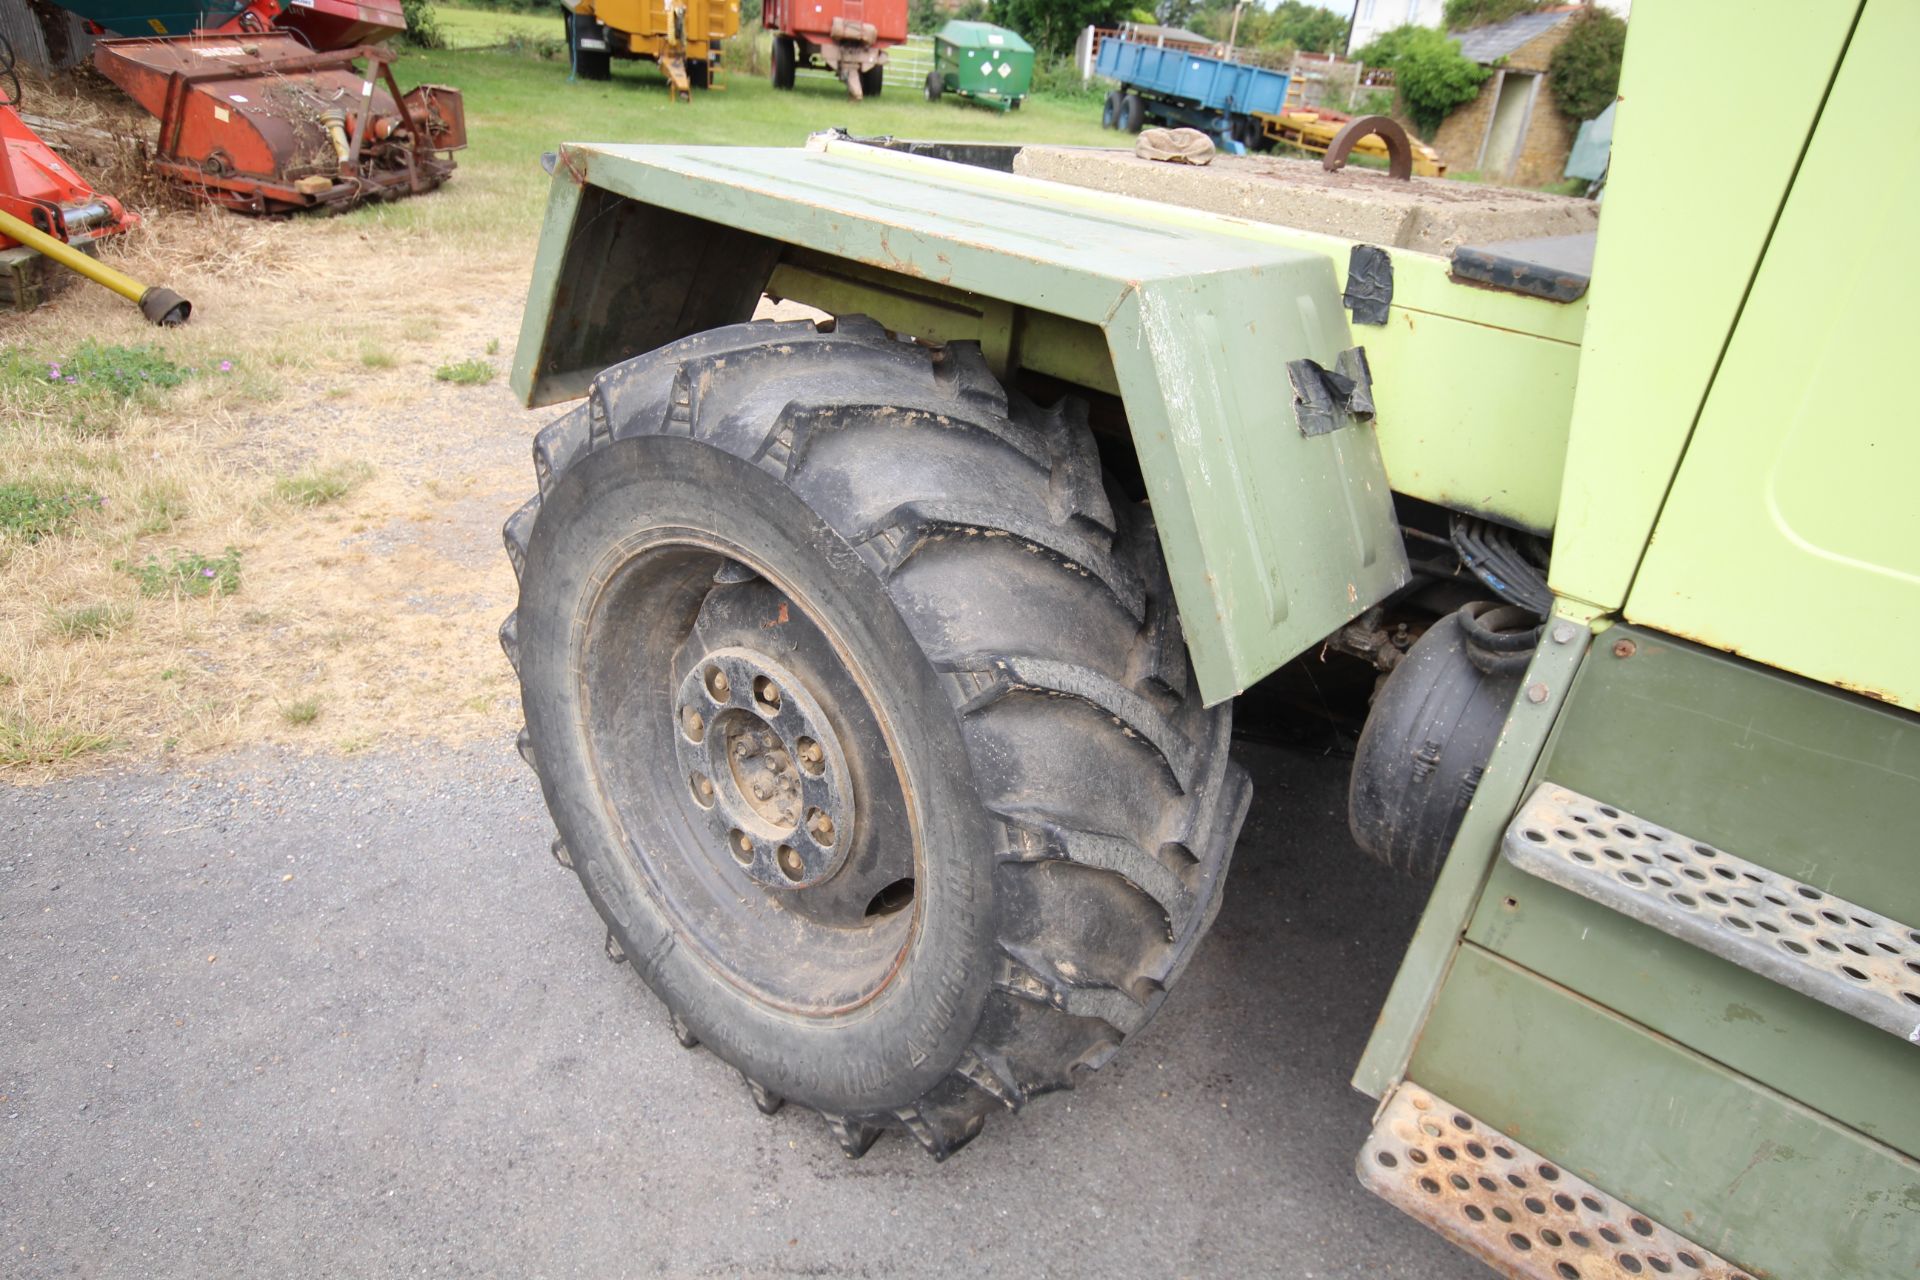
(1490, 44)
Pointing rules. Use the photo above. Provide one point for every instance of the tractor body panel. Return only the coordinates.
(1790, 534)
(1664, 300)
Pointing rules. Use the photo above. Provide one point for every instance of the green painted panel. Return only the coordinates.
(1805, 1050)
(1488, 444)
(1811, 783)
(1792, 535)
(1683, 231)
(1273, 538)
(1463, 875)
(1759, 1179)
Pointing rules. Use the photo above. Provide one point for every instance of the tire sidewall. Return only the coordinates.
(900, 1044)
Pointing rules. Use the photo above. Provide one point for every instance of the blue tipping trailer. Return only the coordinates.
(1175, 87)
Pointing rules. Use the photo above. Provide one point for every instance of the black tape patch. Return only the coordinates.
(1369, 284)
(1326, 399)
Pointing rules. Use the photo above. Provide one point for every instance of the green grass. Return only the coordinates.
(305, 711)
(30, 512)
(374, 357)
(467, 373)
(187, 573)
(475, 28)
(24, 741)
(317, 486)
(90, 621)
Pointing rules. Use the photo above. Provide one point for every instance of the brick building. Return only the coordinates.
(1512, 132)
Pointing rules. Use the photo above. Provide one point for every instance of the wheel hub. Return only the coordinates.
(765, 768)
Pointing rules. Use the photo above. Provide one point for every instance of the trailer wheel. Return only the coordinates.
(873, 80)
(783, 62)
(866, 721)
(935, 86)
(1133, 113)
(588, 64)
(1111, 109)
(697, 73)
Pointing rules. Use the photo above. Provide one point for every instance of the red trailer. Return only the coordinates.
(847, 37)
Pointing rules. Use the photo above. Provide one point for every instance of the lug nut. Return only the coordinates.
(718, 684)
(790, 865)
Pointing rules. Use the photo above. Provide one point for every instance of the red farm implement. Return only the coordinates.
(48, 212)
(266, 111)
(850, 38)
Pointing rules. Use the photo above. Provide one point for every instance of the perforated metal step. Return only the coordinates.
(1802, 937)
(1522, 1215)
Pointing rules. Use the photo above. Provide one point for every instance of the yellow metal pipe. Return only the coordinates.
(160, 305)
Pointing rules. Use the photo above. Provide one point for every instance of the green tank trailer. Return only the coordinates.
(979, 62)
(879, 668)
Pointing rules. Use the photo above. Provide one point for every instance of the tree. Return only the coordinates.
(1432, 75)
(1584, 72)
(1052, 26)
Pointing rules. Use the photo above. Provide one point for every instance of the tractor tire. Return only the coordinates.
(783, 62)
(588, 64)
(872, 81)
(1111, 109)
(935, 86)
(697, 73)
(1133, 113)
(864, 714)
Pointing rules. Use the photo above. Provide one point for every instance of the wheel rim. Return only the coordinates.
(734, 739)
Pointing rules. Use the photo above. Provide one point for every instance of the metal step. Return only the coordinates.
(1520, 1214)
(1822, 946)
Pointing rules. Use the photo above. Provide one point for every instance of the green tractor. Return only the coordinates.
(880, 666)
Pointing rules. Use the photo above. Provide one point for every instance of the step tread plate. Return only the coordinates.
(1793, 933)
(1516, 1211)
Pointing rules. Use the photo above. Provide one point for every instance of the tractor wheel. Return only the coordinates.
(935, 86)
(783, 62)
(697, 73)
(1110, 110)
(863, 712)
(588, 64)
(1133, 113)
(872, 80)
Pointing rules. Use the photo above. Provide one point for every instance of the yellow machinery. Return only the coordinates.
(1314, 128)
(683, 36)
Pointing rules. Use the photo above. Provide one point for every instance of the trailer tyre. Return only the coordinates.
(873, 80)
(783, 62)
(1111, 110)
(863, 712)
(935, 86)
(588, 64)
(698, 73)
(1133, 112)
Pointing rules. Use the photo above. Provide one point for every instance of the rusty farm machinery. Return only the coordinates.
(269, 111)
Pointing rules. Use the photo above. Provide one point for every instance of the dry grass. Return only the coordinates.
(362, 498)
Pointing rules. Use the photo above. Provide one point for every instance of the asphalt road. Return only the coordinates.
(297, 1016)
